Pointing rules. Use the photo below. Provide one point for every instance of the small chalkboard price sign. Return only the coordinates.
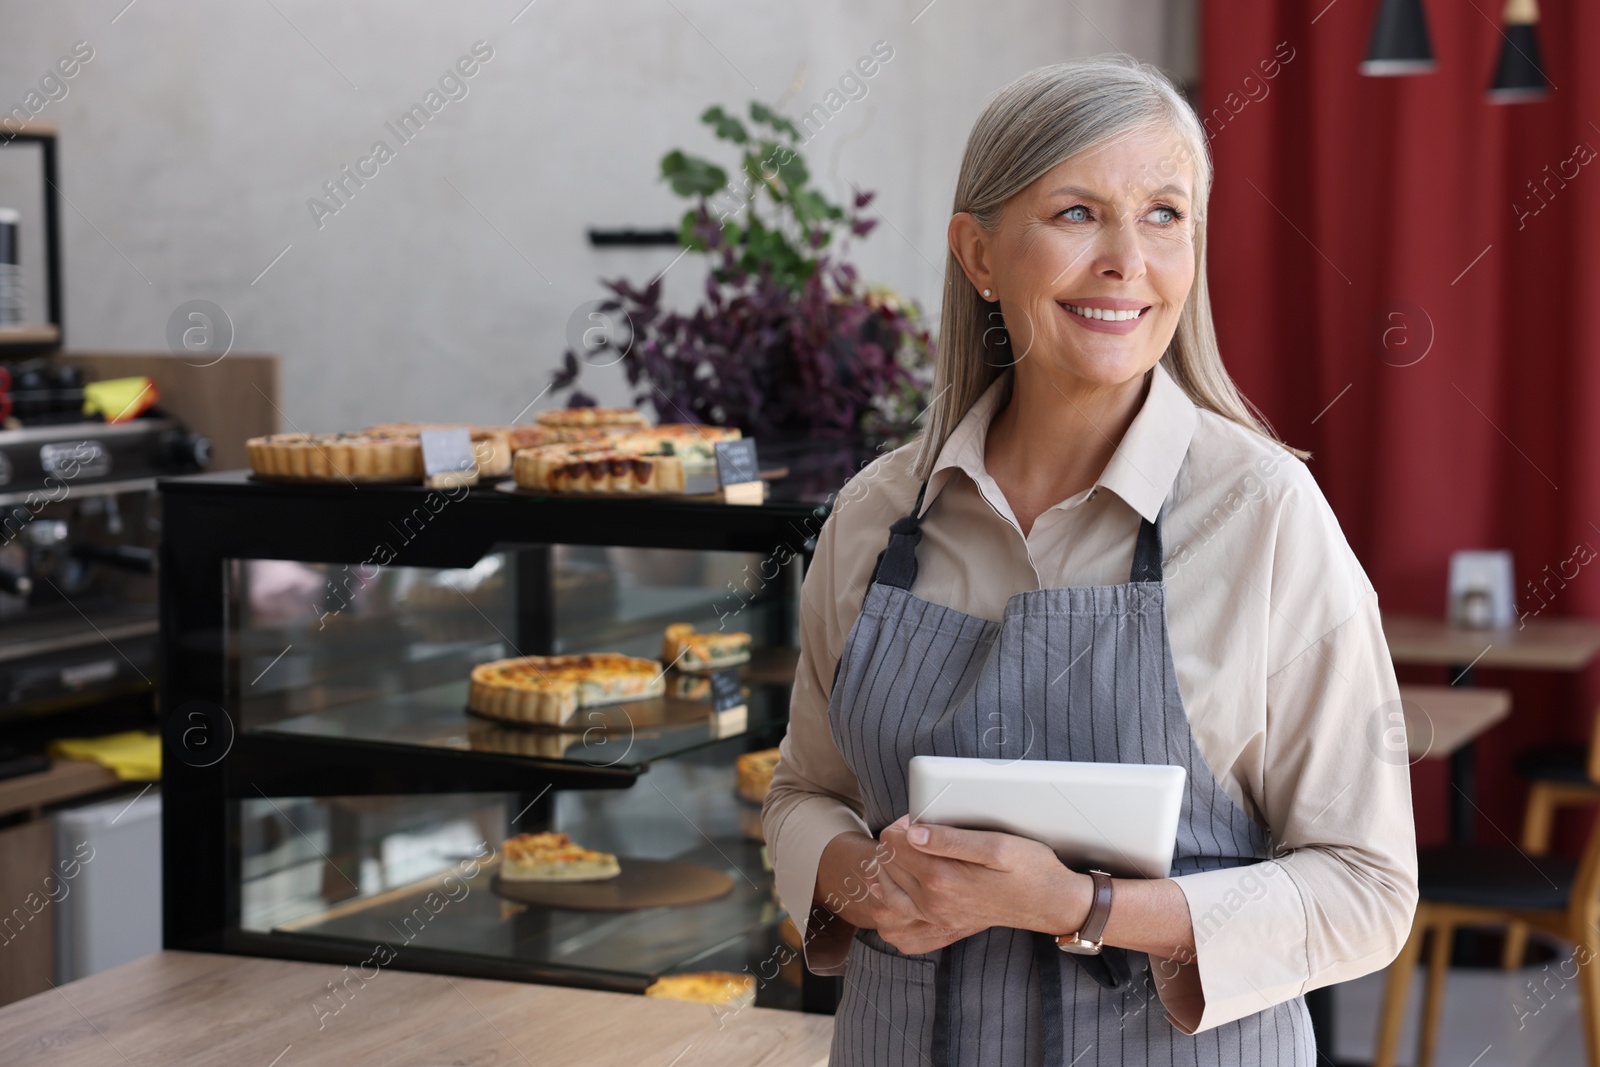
(725, 690)
(739, 472)
(729, 714)
(447, 458)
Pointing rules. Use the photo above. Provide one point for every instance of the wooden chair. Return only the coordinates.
(1564, 774)
(1490, 885)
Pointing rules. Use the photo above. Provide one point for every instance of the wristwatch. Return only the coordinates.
(1087, 941)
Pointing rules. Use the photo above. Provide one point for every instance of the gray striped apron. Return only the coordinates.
(1076, 673)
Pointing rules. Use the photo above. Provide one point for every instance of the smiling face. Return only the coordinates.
(1091, 264)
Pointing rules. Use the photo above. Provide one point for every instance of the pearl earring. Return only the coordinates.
(986, 293)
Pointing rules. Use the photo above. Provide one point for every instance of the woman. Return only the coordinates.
(1094, 551)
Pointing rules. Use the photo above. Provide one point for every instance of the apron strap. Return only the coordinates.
(1047, 957)
(1110, 969)
(897, 563)
(1147, 550)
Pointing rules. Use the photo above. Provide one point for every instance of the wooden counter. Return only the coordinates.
(67, 779)
(196, 1008)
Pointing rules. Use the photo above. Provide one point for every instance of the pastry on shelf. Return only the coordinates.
(553, 857)
(690, 650)
(336, 457)
(491, 445)
(707, 987)
(551, 689)
(693, 444)
(585, 468)
(533, 435)
(694, 686)
(753, 774)
(570, 418)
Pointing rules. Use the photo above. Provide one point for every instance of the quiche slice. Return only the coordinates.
(551, 689)
(707, 987)
(553, 857)
(689, 650)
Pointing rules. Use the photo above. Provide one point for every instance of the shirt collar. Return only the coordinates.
(1141, 471)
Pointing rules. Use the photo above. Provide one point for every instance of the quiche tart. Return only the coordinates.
(753, 773)
(532, 435)
(336, 457)
(707, 987)
(551, 689)
(569, 418)
(553, 857)
(587, 468)
(693, 444)
(491, 445)
(689, 650)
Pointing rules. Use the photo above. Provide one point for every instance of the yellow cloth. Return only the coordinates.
(132, 756)
(119, 399)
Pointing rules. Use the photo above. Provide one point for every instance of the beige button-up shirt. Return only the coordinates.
(1280, 659)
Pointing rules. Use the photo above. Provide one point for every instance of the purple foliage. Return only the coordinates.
(764, 353)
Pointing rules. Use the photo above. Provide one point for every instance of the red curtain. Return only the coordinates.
(1406, 280)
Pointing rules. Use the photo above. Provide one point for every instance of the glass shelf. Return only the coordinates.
(631, 944)
(626, 735)
(691, 815)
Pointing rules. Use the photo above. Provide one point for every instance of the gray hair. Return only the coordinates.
(1030, 126)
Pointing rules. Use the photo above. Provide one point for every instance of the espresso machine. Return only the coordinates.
(79, 526)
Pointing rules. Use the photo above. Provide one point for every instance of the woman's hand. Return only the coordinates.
(846, 874)
(915, 936)
(969, 880)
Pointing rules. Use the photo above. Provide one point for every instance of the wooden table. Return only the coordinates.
(198, 1008)
(1442, 720)
(1540, 645)
(1536, 644)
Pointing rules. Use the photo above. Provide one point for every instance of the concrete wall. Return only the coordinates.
(194, 137)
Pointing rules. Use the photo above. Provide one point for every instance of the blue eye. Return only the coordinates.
(1172, 214)
(1076, 207)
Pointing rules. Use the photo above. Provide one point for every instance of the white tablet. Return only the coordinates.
(1119, 817)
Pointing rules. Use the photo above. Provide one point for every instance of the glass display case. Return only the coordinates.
(329, 797)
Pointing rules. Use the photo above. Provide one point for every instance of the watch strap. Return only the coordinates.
(1094, 927)
(1091, 935)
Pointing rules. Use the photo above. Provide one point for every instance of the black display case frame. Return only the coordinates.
(211, 519)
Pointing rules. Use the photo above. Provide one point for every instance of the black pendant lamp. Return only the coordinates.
(1399, 42)
(1519, 76)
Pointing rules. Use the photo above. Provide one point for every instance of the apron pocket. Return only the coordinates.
(885, 1015)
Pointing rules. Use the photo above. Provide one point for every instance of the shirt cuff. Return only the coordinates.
(1250, 945)
(796, 853)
